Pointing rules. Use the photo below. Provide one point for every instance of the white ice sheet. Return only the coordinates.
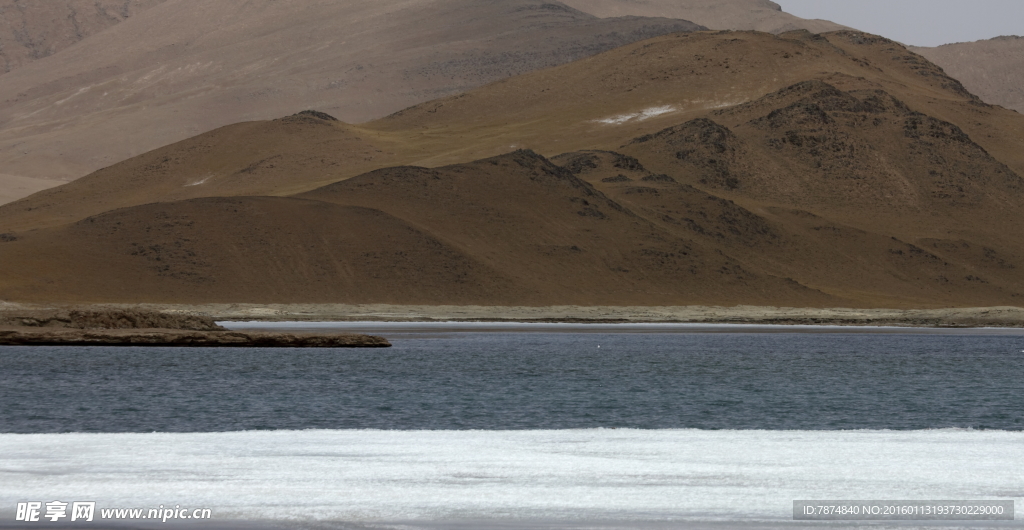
(602, 474)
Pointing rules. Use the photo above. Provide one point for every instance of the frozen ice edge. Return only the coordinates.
(592, 476)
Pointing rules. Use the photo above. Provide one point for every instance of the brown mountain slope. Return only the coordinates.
(862, 267)
(242, 248)
(597, 103)
(993, 69)
(707, 168)
(287, 155)
(557, 237)
(189, 66)
(760, 15)
(642, 88)
(512, 229)
(33, 29)
(809, 144)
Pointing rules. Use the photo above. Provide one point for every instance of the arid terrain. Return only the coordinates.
(91, 83)
(759, 15)
(993, 69)
(34, 29)
(184, 67)
(708, 168)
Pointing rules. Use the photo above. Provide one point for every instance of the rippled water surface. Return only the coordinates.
(527, 380)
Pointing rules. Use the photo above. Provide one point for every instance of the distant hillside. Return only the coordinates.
(993, 69)
(760, 15)
(33, 29)
(188, 66)
(712, 168)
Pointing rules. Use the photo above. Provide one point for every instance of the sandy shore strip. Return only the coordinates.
(1012, 317)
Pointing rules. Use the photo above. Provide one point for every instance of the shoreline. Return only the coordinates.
(978, 317)
(397, 330)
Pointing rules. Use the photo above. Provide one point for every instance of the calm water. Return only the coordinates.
(521, 380)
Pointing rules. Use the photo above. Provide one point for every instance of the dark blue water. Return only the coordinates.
(526, 381)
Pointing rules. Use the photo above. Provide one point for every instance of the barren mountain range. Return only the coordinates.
(31, 30)
(181, 67)
(694, 168)
(993, 69)
(187, 66)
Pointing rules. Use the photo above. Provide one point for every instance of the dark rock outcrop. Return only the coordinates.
(184, 338)
(130, 327)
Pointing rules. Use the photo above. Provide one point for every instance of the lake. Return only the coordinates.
(438, 379)
(540, 426)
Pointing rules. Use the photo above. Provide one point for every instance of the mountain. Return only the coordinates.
(760, 15)
(33, 29)
(514, 229)
(712, 168)
(601, 102)
(993, 69)
(235, 60)
(188, 66)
